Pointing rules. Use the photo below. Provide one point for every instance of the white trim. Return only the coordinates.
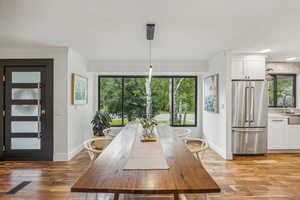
(75, 151)
(60, 157)
(217, 149)
(154, 73)
(229, 156)
(283, 151)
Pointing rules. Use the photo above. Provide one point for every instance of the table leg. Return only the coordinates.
(116, 196)
(176, 196)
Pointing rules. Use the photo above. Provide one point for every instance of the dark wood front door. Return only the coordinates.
(27, 109)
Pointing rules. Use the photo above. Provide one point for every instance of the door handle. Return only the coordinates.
(277, 120)
(252, 104)
(40, 111)
(246, 104)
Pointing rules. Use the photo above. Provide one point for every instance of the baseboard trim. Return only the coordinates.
(60, 157)
(217, 150)
(75, 151)
(284, 151)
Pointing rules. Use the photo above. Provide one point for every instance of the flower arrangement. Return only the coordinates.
(148, 126)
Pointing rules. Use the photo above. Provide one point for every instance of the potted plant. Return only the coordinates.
(100, 122)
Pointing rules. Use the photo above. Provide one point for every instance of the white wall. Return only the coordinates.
(60, 90)
(196, 68)
(216, 126)
(161, 66)
(79, 116)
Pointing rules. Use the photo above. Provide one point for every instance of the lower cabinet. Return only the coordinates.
(277, 133)
(281, 135)
(293, 136)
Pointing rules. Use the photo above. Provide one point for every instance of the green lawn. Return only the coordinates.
(119, 122)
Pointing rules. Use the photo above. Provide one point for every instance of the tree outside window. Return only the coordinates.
(282, 90)
(173, 99)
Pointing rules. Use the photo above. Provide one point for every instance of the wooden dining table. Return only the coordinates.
(185, 175)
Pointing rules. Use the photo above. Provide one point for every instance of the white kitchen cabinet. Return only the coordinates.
(255, 67)
(237, 68)
(293, 136)
(277, 133)
(282, 135)
(248, 67)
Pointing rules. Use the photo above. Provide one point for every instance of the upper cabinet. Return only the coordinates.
(248, 67)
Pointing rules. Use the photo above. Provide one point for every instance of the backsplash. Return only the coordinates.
(284, 67)
(282, 110)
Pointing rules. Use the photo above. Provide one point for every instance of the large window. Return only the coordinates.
(174, 99)
(282, 90)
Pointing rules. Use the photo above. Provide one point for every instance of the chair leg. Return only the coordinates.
(205, 197)
(202, 155)
(116, 196)
(197, 154)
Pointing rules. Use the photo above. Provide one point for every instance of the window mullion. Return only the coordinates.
(172, 102)
(275, 91)
(123, 101)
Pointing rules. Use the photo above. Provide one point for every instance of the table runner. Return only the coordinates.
(146, 155)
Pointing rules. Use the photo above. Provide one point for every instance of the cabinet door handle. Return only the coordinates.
(277, 120)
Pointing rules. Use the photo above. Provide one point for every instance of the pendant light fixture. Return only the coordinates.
(150, 37)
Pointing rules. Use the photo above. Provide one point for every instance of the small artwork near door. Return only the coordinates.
(211, 93)
(79, 89)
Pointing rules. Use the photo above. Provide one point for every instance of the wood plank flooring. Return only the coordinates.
(275, 177)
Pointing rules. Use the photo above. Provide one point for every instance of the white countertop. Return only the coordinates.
(277, 115)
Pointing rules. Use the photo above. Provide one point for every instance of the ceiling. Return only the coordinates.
(186, 30)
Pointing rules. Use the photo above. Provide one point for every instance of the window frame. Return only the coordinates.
(275, 89)
(155, 76)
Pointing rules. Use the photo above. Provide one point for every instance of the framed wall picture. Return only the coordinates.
(211, 93)
(79, 89)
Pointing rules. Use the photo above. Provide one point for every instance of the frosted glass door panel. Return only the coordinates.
(24, 110)
(25, 143)
(24, 126)
(25, 93)
(26, 77)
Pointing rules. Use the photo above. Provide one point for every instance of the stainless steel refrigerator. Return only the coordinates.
(249, 117)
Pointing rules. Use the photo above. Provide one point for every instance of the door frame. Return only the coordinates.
(1, 110)
(48, 63)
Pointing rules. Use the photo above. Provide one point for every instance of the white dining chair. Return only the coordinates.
(93, 152)
(182, 132)
(197, 146)
(89, 145)
(109, 132)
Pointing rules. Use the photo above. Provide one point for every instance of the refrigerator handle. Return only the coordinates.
(252, 104)
(246, 104)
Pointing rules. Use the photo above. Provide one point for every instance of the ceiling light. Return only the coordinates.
(291, 59)
(264, 50)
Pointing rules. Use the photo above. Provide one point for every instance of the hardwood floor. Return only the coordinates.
(275, 177)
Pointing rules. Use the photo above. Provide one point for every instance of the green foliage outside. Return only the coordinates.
(135, 99)
(285, 91)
